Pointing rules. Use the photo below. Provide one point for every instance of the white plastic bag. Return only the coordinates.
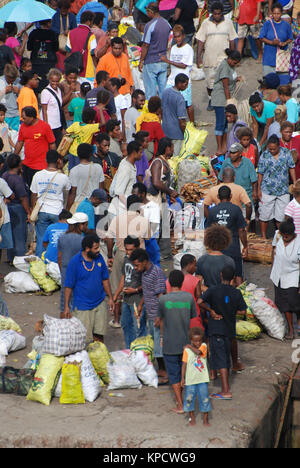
(23, 263)
(122, 375)
(20, 282)
(54, 272)
(10, 340)
(197, 74)
(144, 368)
(89, 380)
(194, 247)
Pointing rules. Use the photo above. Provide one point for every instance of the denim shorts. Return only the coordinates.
(190, 394)
(221, 122)
(173, 365)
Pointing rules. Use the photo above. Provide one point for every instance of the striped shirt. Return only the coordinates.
(293, 211)
(153, 284)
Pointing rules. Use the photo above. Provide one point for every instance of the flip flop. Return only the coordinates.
(163, 382)
(218, 396)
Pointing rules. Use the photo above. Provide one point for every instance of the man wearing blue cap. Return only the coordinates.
(88, 206)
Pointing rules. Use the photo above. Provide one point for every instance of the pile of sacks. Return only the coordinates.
(61, 365)
(262, 314)
(11, 338)
(34, 275)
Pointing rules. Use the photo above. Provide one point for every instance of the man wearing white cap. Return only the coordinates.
(69, 244)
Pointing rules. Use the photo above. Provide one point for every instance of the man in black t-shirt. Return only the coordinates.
(230, 215)
(185, 12)
(107, 159)
(43, 44)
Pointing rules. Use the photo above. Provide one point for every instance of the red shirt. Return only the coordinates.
(294, 144)
(37, 139)
(248, 11)
(155, 132)
(189, 285)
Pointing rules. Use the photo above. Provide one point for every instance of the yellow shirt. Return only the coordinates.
(83, 134)
(26, 98)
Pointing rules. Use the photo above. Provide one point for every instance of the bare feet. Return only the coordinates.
(205, 420)
(238, 366)
(178, 410)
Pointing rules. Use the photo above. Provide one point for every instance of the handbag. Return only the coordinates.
(65, 144)
(75, 60)
(62, 38)
(61, 112)
(283, 57)
(83, 194)
(38, 205)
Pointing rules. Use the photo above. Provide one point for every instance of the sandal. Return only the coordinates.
(219, 396)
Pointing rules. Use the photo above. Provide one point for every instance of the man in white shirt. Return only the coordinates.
(85, 177)
(181, 61)
(216, 34)
(48, 188)
(124, 179)
(138, 101)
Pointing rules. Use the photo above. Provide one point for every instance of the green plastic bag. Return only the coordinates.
(99, 357)
(38, 271)
(246, 331)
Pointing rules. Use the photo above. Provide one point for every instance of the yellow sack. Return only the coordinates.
(45, 379)
(71, 388)
(7, 323)
(99, 357)
(38, 271)
(193, 140)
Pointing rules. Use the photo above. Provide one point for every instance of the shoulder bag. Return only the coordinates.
(283, 57)
(62, 38)
(39, 204)
(75, 60)
(61, 112)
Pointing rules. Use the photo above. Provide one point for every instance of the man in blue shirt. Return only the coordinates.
(96, 7)
(88, 277)
(174, 112)
(88, 206)
(52, 234)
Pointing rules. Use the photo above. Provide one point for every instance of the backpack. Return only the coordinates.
(75, 60)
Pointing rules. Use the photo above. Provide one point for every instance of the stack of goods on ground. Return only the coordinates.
(62, 365)
(261, 315)
(34, 276)
(259, 250)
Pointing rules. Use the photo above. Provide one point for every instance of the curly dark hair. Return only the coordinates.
(217, 237)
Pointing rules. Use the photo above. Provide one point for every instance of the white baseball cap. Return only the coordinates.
(78, 218)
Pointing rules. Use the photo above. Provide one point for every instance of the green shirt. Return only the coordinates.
(76, 107)
(218, 97)
(196, 367)
(245, 174)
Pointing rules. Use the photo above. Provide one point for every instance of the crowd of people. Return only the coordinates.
(89, 120)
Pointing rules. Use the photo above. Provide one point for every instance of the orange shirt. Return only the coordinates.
(26, 98)
(117, 67)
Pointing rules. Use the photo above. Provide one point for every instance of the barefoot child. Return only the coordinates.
(224, 302)
(195, 376)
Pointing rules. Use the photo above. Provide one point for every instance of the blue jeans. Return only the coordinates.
(155, 76)
(44, 220)
(18, 219)
(129, 324)
(221, 121)
(190, 394)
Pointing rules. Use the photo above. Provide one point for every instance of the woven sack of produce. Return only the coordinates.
(16, 381)
(45, 379)
(7, 323)
(259, 250)
(71, 388)
(189, 168)
(63, 337)
(193, 140)
(38, 271)
(122, 375)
